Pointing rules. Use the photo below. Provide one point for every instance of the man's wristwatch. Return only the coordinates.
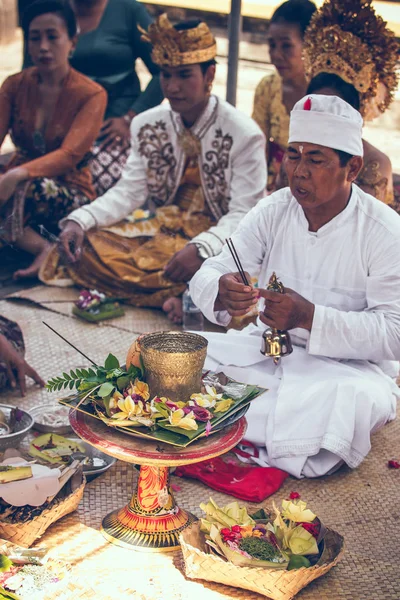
(202, 251)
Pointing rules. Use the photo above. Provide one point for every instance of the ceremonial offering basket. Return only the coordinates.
(273, 583)
(26, 532)
(173, 363)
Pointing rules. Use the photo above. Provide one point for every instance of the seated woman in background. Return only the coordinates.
(278, 92)
(357, 63)
(106, 51)
(54, 114)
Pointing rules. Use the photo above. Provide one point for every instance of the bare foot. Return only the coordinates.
(33, 269)
(173, 308)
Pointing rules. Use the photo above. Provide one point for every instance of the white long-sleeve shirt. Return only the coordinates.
(231, 161)
(349, 268)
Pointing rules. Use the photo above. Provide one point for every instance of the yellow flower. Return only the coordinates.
(302, 542)
(139, 213)
(257, 533)
(202, 400)
(142, 389)
(297, 512)
(114, 399)
(178, 419)
(247, 530)
(207, 400)
(223, 405)
(129, 410)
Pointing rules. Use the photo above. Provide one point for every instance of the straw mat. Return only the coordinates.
(363, 505)
(59, 300)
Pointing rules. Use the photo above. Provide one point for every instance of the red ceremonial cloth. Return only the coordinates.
(228, 475)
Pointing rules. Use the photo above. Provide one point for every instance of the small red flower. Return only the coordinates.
(294, 496)
(307, 104)
(393, 464)
(313, 528)
(225, 531)
(236, 529)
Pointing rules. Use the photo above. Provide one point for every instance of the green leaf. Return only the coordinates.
(112, 362)
(123, 382)
(66, 376)
(79, 373)
(73, 375)
(71, 384)
(105, 390)
(85, 373)
(91, 373)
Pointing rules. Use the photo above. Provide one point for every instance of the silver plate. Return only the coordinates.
(37, 411)
(92, 452)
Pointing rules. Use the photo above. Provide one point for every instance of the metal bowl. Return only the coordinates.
(38, 411)
(22, 427)
(92, 452)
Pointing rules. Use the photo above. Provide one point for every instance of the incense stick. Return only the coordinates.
(237, 260)
(69, 343)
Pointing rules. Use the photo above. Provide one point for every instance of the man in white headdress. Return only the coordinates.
(336, 249)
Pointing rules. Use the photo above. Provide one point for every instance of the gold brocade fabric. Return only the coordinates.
(272, 117)
(127, 260)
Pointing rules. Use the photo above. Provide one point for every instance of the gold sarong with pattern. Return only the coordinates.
(127, 260)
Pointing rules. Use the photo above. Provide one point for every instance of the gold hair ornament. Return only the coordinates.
(173, 48)
(347, 38)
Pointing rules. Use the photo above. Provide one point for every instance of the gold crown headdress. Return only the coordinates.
(174, 48)
(347, 38)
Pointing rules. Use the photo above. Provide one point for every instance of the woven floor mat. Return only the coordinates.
(363, 505)
(59, 300)
(359, 504)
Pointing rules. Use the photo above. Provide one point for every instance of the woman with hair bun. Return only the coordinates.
(278, 92)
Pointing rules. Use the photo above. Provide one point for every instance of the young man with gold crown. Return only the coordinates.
(350, 52)
(196, 167)
(338, 252)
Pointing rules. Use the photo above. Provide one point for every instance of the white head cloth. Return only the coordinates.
(328, 121)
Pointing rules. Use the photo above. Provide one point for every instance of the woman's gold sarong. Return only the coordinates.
(127, 260)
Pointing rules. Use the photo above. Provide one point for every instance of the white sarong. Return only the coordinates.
(317, 413)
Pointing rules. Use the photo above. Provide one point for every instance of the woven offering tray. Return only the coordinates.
(273, 583)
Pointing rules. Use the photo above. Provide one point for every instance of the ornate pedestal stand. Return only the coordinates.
(152, 520)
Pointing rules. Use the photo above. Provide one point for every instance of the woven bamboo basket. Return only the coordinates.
(26, 533)
(273, 583)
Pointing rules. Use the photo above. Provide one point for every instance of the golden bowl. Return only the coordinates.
(173, 363)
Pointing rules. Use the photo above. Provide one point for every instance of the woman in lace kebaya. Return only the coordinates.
(54, 114)
(278, 92)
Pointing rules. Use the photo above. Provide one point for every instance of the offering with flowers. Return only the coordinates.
(275, 552)
(287, 538)
(121, 398)
(94, 306)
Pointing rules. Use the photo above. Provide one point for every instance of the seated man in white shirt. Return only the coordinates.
(336, 249)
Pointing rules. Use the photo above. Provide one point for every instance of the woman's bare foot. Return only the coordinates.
(33, 269)
(173, 308)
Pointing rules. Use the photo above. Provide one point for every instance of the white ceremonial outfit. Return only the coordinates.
(232, 169)
(337, 387)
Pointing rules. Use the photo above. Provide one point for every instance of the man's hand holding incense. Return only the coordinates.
(286, 311)
(71, 241)
(234, 296)
(184, 264)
